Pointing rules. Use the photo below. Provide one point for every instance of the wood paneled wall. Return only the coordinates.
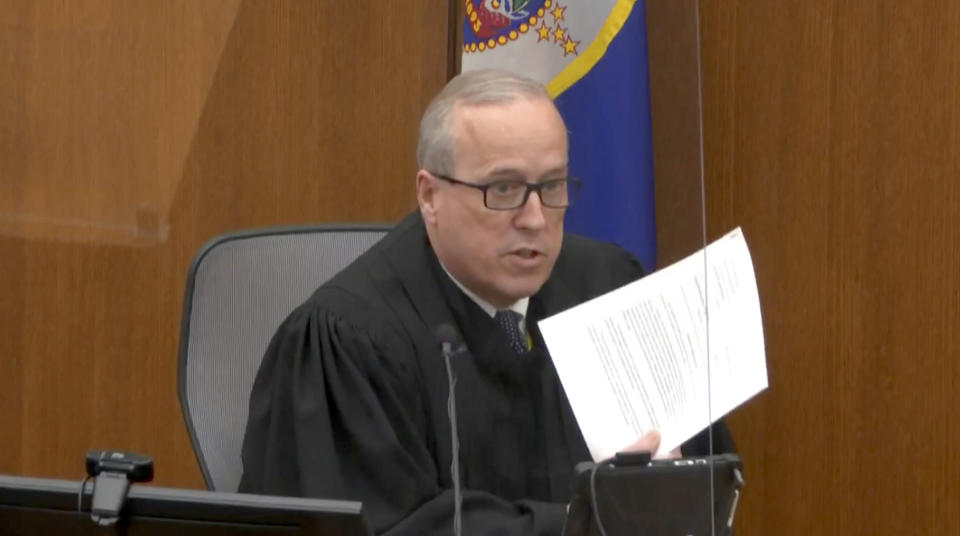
(832, 133)
(672, 48)
(131, 133)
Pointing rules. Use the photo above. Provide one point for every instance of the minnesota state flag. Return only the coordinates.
(592, 57)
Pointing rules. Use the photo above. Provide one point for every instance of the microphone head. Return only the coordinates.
(447, 335)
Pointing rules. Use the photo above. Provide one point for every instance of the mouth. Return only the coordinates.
(527, 255)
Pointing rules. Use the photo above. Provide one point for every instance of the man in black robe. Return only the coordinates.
(351, 399)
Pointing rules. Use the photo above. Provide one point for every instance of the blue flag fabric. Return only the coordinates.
(592, 57)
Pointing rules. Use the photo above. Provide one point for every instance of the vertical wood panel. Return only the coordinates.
(832, 138)
(11, 353)
(172, 122)
(672, 43)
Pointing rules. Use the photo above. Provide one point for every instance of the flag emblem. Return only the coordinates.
(489, 24)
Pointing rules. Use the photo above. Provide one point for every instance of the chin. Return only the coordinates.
(525, 289)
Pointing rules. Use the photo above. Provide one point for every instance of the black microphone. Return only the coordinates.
(450, 344)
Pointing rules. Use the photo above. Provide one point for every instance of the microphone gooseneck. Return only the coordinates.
(447, 337)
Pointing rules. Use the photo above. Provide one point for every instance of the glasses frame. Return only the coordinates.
(531, 187)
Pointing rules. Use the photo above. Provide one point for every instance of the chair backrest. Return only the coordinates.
(239, 288)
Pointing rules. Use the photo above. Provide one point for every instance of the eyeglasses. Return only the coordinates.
(511, 194)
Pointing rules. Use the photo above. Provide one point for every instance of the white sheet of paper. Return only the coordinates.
(636, 358)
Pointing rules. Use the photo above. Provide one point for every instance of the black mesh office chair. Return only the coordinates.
(239, 288)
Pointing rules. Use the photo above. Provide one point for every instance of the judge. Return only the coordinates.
(351, 398)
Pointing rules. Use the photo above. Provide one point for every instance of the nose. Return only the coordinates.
(530, 214)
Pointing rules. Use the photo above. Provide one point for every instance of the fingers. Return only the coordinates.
(674, 454)
(649, 442)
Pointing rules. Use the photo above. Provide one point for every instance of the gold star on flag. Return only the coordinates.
(570, 46)
(559, 33)
(558, 12)
(543, 32)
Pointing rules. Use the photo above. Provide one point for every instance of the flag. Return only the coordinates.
(592, 57)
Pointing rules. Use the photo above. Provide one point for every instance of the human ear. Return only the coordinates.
(426, 196)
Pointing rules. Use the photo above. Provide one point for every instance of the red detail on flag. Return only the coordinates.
(490, 22)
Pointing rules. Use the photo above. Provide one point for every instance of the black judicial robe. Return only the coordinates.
(350, 400)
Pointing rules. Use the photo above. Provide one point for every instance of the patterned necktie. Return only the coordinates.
(510, 323)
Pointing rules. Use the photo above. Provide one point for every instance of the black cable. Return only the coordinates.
(83, 485)
(454, 444)
(593, 496)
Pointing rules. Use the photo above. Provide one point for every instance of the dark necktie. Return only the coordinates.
(510, 323)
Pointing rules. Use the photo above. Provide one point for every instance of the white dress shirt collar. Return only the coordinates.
(520, 306)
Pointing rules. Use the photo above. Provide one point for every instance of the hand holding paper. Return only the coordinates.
(672, 352)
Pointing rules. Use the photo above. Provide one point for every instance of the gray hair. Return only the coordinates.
(472, 88)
